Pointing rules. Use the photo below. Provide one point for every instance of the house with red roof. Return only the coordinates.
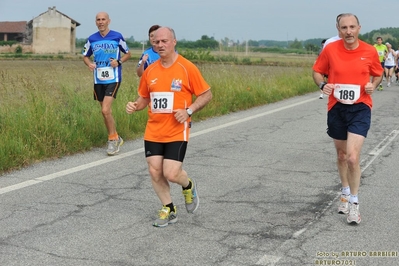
(51, 32)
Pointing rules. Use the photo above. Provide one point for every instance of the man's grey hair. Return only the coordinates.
(347, 15)
(172, 31)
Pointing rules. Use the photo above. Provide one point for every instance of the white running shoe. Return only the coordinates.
(343, 206)
(354, 214)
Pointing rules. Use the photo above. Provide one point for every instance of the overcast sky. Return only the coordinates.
(235, 19)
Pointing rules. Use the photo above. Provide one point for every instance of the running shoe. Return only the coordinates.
(113, 146)
(191, 197)
(321, 96)
(354, 214)
(380, 87)
(389, 84)
(165, 217)
(343, 206)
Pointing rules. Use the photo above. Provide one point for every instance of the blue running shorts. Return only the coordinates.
(344, 118)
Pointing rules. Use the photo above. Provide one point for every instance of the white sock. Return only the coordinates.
(353, 199)
(345, 191)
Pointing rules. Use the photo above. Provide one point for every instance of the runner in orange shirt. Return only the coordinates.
(349, 64)
(167, 88)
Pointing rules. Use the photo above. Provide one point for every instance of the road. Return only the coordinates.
(268, 188)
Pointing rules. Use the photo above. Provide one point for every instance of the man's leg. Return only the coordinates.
(355, 143)
(341, 146)
(174, 173)
(159, 182)
(354, 146)
(107, 114)
(114, 140)
(168, 213)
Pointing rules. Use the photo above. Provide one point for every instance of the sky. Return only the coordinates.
(237, 20)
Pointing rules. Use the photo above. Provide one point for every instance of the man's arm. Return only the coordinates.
(126, 57)
(318, 78)
(373, 84)
(140, 67)
(137, 105)
(202, 100)
(89, 63)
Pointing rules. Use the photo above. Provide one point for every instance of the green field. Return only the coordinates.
(47, 108)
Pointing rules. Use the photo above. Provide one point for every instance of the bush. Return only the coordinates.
(18, 49)
(10, 43)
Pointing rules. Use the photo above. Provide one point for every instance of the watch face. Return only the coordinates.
(189, 112)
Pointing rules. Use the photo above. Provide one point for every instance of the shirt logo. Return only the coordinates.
(154, 81)
(176, 85)
(362, 58)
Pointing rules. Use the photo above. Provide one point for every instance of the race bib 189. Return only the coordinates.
(347, 93)
(162, 102)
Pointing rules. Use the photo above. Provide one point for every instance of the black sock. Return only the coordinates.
(171, 207)
(189, 185)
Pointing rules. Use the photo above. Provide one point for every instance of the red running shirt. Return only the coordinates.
(349, 67)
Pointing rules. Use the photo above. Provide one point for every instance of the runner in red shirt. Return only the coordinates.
(349, 64)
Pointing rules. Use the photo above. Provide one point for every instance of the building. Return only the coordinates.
(12, 31)
(51, 32)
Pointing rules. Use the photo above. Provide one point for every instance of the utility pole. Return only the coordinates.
(287, 39)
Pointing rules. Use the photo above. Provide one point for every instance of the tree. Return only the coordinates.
(296, 44)
(311, 47)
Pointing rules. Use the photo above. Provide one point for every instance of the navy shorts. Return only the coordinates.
(171, 150)
(102, 90)
(344, 118)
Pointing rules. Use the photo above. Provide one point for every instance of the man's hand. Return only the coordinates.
(328, 88)
(369, 87)
(145, 58)
(114, 63)
(92, 66)
(131, 107)
(181, 115)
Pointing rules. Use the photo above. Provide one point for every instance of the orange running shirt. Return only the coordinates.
(170, 89)
(349, 67)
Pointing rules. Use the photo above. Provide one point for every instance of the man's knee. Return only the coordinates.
(353, 161)
(172, 176)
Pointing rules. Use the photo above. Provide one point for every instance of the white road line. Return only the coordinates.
(67, 171)
(380, 147)
(131, 153)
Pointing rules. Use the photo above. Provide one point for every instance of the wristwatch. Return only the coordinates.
(321, 85)
(189, 112)
(119, 62)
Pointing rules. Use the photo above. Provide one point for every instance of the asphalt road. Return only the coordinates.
(268, 188)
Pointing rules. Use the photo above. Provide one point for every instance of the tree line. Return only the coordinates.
(390, 35)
